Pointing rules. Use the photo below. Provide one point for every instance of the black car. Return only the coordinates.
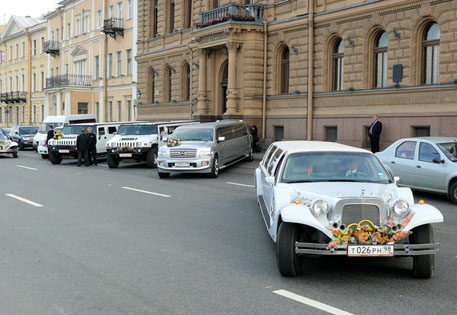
(23, 135)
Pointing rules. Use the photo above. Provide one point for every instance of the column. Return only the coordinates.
(202, 97)
(231, 88)
(59, 104)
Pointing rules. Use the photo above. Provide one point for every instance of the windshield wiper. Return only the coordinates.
(344, 180)
(297, 181)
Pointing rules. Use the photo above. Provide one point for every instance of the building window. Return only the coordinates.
(99, 18)
(34, 47)
(188, 13)
(279, 133)
(83, 108)
(42, 80)
(34, 82)
(380, 60)
(284, 71)
(423, 131)
(129, 62)
(23, 114)
(119, 64)
(167, 84)
(216, 4)
(119, 111)
(42, 45)
(42, 113)
(34, 114)
(186, 82)
(23, 49)
(110, 65)
(78, 25)
(155, 17)
(111, 11)
(130, 9)
(331, 133)
(151, 79)
(119, 10)
(68, 31)
(338, 65)
(110, 111)
(97, 67)
(171, 16)
(86, 22)
(129, 110)
(17, 51)
(431, 54)
(97, 111)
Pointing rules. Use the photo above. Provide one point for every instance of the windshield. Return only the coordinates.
(450, 150)
(2, 137)
(186, 134)
(44, 127)
(76, 129)
(137, 130)
(28, 130)
(334, 167)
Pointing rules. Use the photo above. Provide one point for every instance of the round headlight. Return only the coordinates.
(401, 207)
(320, 207)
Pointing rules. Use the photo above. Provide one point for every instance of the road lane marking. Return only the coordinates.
(312, 303)
(27, 168)
(102, 165)
(242, 185)
(24, 200)
(147, 192)
(28, 154)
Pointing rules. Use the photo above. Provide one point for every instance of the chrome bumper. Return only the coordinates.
(341, 250)
(196, 165)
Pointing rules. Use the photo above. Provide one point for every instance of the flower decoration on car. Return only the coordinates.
(173, 142)
(58, 134)
(367, 233)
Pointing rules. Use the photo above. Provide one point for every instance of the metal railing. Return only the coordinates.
(13, 97)
(232, 12)
(68, 80)
(113, 26)
(51, 46)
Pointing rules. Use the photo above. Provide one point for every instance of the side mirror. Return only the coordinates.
(270, 180)
(397, 180)
(221, 139)
(438, 161)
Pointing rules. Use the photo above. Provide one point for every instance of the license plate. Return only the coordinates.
(125, 155)
(370, 250)
(64, 151)
(181, 164)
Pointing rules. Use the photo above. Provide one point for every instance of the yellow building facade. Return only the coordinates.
(23, 71)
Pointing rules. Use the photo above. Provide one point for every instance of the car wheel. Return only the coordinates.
(289, 264)
(112, 161)
(453, 192)
(251, 155)
(44, 156)
(423, 265)
(163, 175)
(151, 158)
(215, 169)
(54, 159)
(15, 155)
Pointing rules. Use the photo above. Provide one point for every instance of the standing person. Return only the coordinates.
(83, 147)
(375, 133)
(92, 143)
(50, 133)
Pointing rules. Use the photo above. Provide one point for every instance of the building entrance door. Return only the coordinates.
(224, 85)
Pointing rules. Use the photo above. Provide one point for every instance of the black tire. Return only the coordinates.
(163, 175)
(423, 265)
(45, 156)
(15, 155)
(289, 264)
(151, 158)
(113, 162)
(54, 159)
(250, 158)
(453, 192)
(21, 146)
(215, 168)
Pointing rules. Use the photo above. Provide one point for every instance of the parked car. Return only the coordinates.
(23, 135)
(7, 146)
(427, 164)
(6, 132)
(139, 142)
(321, 198)
(205, 148)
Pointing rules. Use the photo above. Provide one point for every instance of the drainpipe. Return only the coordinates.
(264, 96)
(105, 66)
(310, 69)
(29, 74)
(191, 65)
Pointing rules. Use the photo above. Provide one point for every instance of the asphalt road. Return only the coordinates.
(101, 241)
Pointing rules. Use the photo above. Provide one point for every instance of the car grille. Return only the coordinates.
(354, 213)
(130, 144)
(63, 142)
(183, 153)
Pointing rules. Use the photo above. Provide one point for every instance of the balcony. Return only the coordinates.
(13, 97)
(52, 48)
(65, 80)
(113, 26)
(240, 13)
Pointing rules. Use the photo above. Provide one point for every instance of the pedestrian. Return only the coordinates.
(50, 133)
(83, 147)
(375, 133)
(92, 143)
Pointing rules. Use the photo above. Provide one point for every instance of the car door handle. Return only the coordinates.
(393, 162)
(418, 166)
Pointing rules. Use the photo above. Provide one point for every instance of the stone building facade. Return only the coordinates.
(254, 60)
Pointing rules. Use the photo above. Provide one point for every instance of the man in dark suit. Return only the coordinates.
(374, 134)
(50, 133)
(92, 143)
(83, 148)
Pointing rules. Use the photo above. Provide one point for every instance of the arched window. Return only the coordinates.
(188, 13)
(151, 80)
(171, 16)
(185, 82)
(338, 65)
(284, 71)
(380, 60)
(167, 84)
(431, 54)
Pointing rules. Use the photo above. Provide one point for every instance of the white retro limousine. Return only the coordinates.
(322, 198)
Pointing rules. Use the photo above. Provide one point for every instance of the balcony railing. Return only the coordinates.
(13, 97)
(248, 13)
(113, 26)
(68, 80)
(52, 47)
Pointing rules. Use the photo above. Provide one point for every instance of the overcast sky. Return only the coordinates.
(34, 8)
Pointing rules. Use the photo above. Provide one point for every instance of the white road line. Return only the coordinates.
(24, 200)
(102, 165)
(312, 303)
(147, 192)
(27, 168)
(28, 155)
(243, 185)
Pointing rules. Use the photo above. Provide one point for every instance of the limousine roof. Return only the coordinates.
(316, 146)
(165, 123)
(213, 124)
(103, 123)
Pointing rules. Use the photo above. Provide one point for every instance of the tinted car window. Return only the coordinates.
(450, 150)
(406, 150)
(111, 130)
(427, 153)
(268, 156)
(101, 131)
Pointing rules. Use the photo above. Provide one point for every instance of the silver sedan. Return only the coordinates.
(426, 163)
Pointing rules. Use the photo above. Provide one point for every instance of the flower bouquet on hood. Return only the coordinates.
(173, 142)
(58, 134)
